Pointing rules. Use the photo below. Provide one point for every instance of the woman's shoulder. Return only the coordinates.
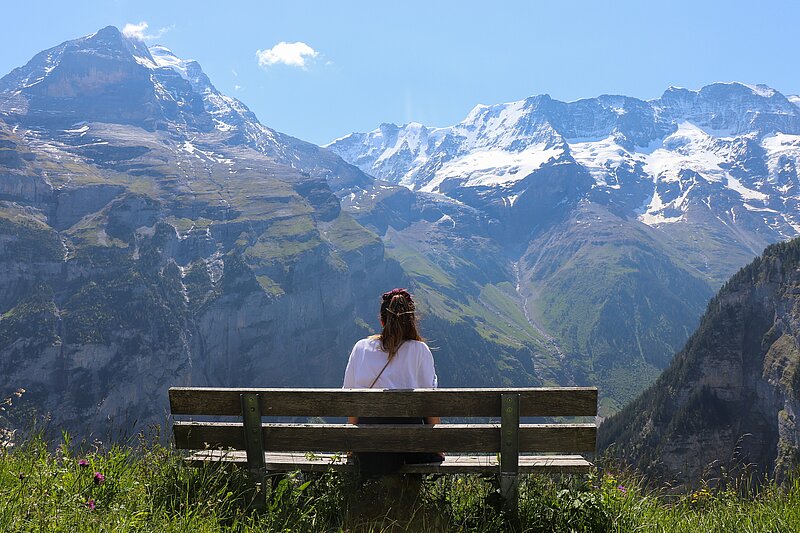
(369, 342)
(417, 346)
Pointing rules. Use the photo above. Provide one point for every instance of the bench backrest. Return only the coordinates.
(507, 404)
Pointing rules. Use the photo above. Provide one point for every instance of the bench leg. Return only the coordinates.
(254, 445)
(509, 485)
(258, 478)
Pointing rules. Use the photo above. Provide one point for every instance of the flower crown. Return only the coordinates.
(387, 296)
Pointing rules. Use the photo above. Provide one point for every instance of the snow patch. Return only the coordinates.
(759, 209)
(761, 90)
(781, 145)
(446, 218)
(746, 193)
(688, 148)
(488, 168)
(601, 158)
(145, 62)
(222, 126)
(163, 57)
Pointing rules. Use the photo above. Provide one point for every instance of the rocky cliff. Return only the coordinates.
(730, 398)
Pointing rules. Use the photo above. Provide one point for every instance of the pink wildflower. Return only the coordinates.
(83, 463)
(99, 478)
(90, 504)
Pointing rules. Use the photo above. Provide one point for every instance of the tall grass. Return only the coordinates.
(145, 486)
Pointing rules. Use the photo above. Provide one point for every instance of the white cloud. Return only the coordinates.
(137, 31)
(291, 54)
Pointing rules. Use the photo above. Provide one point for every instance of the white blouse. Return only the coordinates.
(410, 368)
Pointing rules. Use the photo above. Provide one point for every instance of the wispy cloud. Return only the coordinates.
(138, 31)
(297, 54)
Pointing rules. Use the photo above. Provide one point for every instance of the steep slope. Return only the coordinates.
(730, 398)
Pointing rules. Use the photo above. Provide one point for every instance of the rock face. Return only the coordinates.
(730, 398)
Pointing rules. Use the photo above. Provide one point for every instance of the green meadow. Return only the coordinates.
(145, 486)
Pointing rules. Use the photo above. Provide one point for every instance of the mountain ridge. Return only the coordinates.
(690, 185)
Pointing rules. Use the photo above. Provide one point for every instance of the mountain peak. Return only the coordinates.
(736, 87)
(110, 77)
(109, 40)
(107, 32)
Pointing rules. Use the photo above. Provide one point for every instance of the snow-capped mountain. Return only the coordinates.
(108, 78)
(152, 88)
(153, 233)
(531, 233)
(729, 148)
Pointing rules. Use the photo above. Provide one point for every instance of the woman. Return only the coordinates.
(398, 358)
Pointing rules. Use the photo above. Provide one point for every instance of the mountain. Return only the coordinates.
(154, 233)
(651, 160)
(616, 218)
(656, 161)
(730, 399)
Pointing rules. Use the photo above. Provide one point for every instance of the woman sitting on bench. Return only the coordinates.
(396, 359)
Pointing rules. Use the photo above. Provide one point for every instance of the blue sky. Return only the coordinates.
(364, 63)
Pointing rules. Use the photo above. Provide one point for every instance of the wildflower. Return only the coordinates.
(622, 489)
(90, 504)
(99, 478)
(83, 463)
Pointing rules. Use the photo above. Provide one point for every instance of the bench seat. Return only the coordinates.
(453, 464)
(505, 449)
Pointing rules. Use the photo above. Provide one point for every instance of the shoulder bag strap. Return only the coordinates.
(388, 360)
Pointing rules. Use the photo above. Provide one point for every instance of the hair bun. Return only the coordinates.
(397, 292)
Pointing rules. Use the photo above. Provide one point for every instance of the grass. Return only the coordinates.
(144, 486)
(346, 235)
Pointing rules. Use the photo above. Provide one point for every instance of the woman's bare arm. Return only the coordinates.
(433, 420)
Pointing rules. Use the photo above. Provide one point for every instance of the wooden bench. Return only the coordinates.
(507, 448)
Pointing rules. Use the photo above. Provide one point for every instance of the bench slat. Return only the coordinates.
(387, 438)
(458, 464)
(556, 401)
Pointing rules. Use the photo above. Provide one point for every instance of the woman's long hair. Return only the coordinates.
(398, 315)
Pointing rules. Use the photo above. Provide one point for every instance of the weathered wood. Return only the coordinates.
(560, 401)
(254, 445)
(509, 450)
(253, 436)
(509, 431)
(453, 464)
(387, 438)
